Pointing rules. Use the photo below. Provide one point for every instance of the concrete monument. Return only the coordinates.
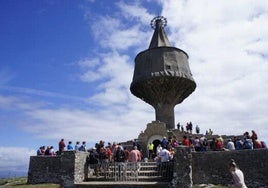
(162, 76)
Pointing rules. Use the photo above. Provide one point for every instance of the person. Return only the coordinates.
(158, 149)
(126, 153)
(196, 143)
(263, 144)
(220, 139)
(238, 176)
(186, 141)
(254, 135)
(103, 158)
(61, 146)
(171, 153)
(39, 151)
(77, 146)
(47, 150)
(134, 158)
(178, 126)
(238, 143)
(257, 144)
(219, 145)
(51, 151)
(136, 143)
(164, 155)
(174, 142)
(203, 143)
(119, 154)
(109, 153)
(164, 142)
(151, 150)
(134, 155)
(83, 146)
(69, 146)
(164, 158)
(187, 127)
(94, 161)
(197, 129)
(213, 144)
(190, 127)
(119, 157)
(247, 144)
(210, 132)
(230, 145)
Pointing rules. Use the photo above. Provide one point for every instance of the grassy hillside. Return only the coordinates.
(22, 183)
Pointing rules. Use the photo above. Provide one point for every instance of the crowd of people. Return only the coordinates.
(49, 150)
(197, 142)
(189, 128)
(201, 143)
(101, 155)
(116, 152)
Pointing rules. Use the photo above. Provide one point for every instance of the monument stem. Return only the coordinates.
(165, 113)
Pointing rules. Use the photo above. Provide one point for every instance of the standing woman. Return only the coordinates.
(238, 176)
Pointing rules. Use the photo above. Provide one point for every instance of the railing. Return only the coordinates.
(128, 171)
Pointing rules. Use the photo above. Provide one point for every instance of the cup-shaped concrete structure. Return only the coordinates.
(162, 75)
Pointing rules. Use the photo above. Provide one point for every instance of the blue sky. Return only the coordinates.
(66, 69)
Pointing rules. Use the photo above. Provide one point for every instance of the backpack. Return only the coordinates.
(247, 144)
(103, 153)
(120, 156)
(82, 148)
(93, 158)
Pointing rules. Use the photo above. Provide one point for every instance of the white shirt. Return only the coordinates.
(159, 148)
(238, 179)
(230, 145)
(164, 155)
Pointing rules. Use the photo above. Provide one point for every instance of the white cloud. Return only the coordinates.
(135, 10)
(15, 159)
(231, 89)
(75, 124)
(228, 61)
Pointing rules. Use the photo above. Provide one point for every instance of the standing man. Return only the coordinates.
(178, 126)
(197, 129)
(134, 159)
(134, 155)
(151, 150)
(61, 146)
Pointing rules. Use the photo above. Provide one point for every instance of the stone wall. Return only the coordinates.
(190, 168)
(212, 167)
(67, 169)
(44, 169)
(73, 168)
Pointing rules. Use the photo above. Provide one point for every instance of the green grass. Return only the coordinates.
(22, 183)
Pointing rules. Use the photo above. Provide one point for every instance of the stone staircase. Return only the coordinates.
(146, 174)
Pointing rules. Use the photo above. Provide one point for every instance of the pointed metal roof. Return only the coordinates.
(159, 37)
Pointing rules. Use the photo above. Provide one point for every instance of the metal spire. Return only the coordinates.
(159, 37)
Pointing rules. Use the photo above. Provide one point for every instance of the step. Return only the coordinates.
(112, 184)
(148, 171)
